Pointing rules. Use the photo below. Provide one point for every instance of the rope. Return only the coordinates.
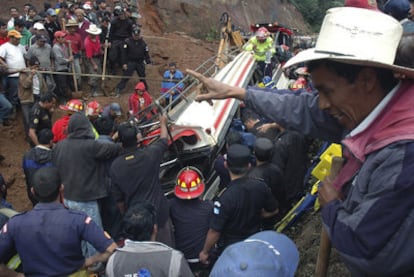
(88, 74)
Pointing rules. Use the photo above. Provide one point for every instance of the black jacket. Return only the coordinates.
(81, 161)
(135, 51)
(37, 157)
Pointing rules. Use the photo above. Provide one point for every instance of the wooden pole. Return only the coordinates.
(322, 262)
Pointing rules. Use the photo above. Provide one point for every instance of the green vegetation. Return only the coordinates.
(313, 11)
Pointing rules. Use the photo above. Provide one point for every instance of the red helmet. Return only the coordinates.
(190, 183)
(73, 105)
(93, 108)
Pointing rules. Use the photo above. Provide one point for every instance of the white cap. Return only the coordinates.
(38, 26)
(87, 7)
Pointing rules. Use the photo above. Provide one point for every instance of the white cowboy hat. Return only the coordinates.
(356, 36)
(93, 29)
(72, 23)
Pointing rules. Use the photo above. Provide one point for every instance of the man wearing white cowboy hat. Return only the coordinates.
(93, 53)
(367, 209)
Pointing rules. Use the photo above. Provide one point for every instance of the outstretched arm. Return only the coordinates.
(213, 89)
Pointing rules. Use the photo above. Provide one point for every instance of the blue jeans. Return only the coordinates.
(11, 84)
(91, 208)
(5, 107)
(26, 108)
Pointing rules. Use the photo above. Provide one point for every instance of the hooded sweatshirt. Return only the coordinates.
(37, 157)
(81, 161)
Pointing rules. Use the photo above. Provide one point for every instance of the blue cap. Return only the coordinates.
(51, 12)
(397, 8)
(265, 254)
(238, 155)
(115, 107)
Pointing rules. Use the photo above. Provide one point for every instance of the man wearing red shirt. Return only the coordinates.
(76, 44)
(3, 33)
(138, 101)
(93, 53)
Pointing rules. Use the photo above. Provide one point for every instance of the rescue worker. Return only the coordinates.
(60, 126)
(301, 81)
(134, 57)
(135, 176)
(190, 215)
(271, 174)
(262, 46)
(238, 211)
(121, 29)
(93, 111)
(41, 116)
(50, 244)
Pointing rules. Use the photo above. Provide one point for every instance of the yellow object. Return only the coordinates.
(323, 168)
(14, 262)
(281, 225)
(80, 273)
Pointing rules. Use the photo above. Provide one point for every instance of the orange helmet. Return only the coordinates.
(73, 105)
(93, 108)
(190, 183)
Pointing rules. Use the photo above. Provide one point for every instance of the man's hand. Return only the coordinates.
(213, 89)
(163, 119)
(203, 257)
(327, 193)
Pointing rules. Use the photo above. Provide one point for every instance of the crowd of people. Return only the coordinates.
(57, 49)
(98, 205)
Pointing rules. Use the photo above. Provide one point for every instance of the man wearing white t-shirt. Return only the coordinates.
(11, 56)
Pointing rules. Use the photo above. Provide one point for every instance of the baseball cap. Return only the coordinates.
(397, 8)
(263, 148)
(60, 34)
(14, 33)
(38, 26)
(46, 181)
(140, 86)
(116, 108)
(265, 254)
(238, 155)
(51, 12)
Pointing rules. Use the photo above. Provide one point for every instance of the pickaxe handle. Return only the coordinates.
(322, 262)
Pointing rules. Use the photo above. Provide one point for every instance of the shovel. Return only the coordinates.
(104, 68)
(77, 93)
